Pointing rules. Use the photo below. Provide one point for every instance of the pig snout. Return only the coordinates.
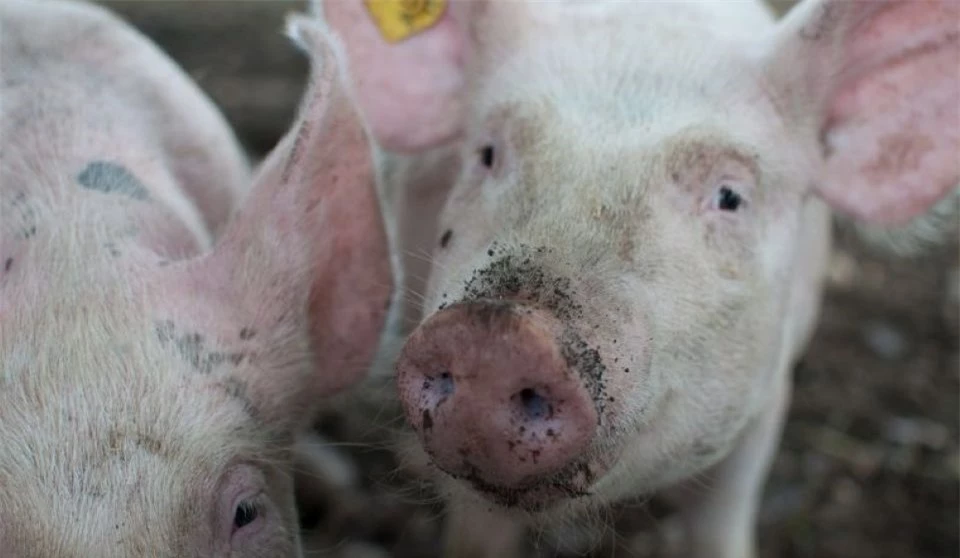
(495, 403)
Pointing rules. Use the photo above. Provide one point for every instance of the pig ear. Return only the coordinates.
(879, 82)
(406, 60)
(305, 261)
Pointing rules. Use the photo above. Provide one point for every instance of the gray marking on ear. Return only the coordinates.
(112, 248)
(111, 178)
(24, 212)
(238, 389)
(192, 348)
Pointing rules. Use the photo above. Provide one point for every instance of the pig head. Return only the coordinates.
(160, 347)
(631, 256)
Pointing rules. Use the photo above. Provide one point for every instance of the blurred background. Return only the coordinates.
(869, 464)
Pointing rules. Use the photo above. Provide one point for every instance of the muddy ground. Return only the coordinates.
(869, 464)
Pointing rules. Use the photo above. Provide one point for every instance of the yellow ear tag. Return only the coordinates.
(401, 19)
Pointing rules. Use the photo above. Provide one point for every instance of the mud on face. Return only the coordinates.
(513, 288)
(519, 276)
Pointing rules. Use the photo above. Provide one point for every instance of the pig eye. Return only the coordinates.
(486, 156)
(245, 514)
(727, 199)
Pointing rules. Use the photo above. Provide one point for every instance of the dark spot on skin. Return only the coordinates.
(150, 444)
(8, 264)
(112, 249)
(703, 450)
(235, 388)
(111, 178)
(163, 263)
(247, 333)
(24, 215)
(445, 239)
(238, 389)
(117, 441)
(823, 25)
(427, 420)
(490, 253)
(165, 330)
(192, 348)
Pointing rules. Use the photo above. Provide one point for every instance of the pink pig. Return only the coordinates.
(159, 354)
(633, 210)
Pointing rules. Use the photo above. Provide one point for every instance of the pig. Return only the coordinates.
(168, 318)
(635, 211)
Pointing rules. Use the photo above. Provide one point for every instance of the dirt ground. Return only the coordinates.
(869, 464)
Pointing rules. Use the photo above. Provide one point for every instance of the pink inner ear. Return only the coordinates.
(893, 132)
(899, 135)
(410, 91)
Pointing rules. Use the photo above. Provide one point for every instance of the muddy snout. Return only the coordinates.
(491, 396)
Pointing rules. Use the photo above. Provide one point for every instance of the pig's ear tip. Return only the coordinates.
(312, 36)
(301, 29)
(309, 33)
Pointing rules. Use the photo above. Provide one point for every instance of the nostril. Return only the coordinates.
(533, 405)
(437, 388)
(445, 384)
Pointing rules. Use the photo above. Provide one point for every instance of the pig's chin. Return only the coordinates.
(540, 496)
